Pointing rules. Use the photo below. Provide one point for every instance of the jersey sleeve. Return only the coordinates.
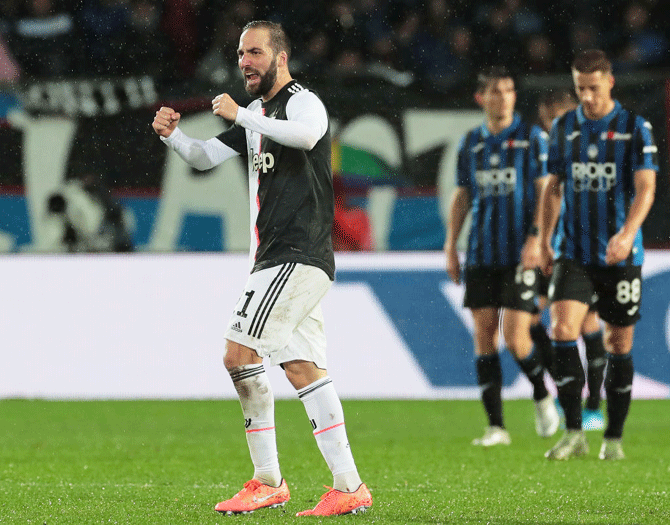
(235, 138)
(645, 152)
(306, 124)
(462, 164)
(539, 152)
(200, 154)
(554, 160)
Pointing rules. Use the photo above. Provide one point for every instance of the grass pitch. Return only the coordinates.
(170, 462)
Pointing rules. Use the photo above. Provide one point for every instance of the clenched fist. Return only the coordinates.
(225, 107)
(165, 121)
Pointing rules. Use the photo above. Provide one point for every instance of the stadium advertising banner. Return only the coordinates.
(393, 157)
(395, 168)
(151, 326)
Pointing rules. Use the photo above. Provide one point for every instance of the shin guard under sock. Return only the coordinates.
(569, 381)
(489, 378)
(595, 369)
(532, 367)
(618, 387)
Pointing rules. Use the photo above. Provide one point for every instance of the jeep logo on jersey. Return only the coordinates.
(593, 176)
(262, 161)
(496, 182)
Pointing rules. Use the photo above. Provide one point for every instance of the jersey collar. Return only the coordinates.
(601, 122)
(505, 133)
(278, 94)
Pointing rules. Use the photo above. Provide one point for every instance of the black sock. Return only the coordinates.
(618, 387)
(532, 367)
(538, 334)
(489, 378)
(595, 371)
(569, 381)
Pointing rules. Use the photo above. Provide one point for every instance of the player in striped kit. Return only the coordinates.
(602, 171)
(284, 136)
(500, 164)
(550, 106)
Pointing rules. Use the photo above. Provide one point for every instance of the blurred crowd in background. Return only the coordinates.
(432, 44)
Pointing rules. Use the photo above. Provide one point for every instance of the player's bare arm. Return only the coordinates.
(549, 204)
(165, 121)
(531, 254)
(458, 210)
(621, 243)
(224, 106)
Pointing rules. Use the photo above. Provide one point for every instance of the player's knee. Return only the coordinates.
(520, 347)
(617, 344)
(229, 360)
(237, 355)
(302, 373)
(565, 331)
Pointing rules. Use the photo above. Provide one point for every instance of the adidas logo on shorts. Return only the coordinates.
(237, 327)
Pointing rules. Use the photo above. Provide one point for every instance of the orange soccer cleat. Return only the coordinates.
(335, 502)
(255, 496)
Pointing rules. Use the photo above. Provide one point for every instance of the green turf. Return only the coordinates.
(164, 462)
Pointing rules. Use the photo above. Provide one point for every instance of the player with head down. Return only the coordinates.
(500, 166)
(602, 176)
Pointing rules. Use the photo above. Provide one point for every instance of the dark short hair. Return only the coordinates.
(279, 40)
(487, 75)
(590, 61)
(559, 96)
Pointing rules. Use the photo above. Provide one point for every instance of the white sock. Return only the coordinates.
(255, 393)
(324, 411)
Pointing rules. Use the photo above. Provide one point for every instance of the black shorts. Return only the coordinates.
(506, 287)
(543, 284)
(613, 291)
(543, 289)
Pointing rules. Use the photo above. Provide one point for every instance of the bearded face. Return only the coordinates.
(260, 84)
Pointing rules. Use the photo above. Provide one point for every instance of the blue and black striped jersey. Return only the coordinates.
(596, 161)
(499, 172)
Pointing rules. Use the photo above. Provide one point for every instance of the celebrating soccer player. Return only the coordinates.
(500, 164)
(284, 136)
(602, 174)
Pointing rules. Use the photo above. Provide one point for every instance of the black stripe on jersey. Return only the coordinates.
(562, 144)
(610, 156)
(578, 195)
(314, 388)
(593, 207)
(509, 245)
(479, 165)
(628, 184)
(246, 373)
(527, 188)
(269, 299)
(495, 212)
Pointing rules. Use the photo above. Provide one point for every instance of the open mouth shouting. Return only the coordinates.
(251, 78)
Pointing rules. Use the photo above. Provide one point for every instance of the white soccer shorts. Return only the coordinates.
(279, 314)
